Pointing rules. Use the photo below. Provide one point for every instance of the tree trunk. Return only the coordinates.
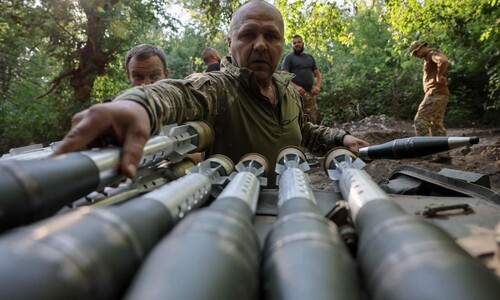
(92, 59)
(93, 62)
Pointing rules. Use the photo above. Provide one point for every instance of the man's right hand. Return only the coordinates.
(301, 90)
(298, 88)
(354, 144)
(125, 123)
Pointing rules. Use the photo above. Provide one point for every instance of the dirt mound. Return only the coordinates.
(483, 158)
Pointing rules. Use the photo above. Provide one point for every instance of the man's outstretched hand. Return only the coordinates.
(125, 123)
(354, 144)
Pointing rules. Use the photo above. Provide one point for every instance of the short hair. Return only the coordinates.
(297, 36)
(144, 51)
(207, 53)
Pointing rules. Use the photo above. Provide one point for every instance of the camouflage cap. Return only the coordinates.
(415, 46)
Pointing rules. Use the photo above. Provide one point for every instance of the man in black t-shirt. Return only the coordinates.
(304, 67)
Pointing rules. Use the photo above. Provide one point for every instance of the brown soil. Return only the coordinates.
(483, 158)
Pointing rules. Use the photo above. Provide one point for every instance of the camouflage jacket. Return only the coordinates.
(244, 120)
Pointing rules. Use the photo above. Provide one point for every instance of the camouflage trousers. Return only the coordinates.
(310, 107)
(429, 120)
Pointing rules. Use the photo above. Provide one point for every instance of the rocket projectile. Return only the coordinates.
(415, 147)
(213, 253)
(33, 189)
(304, 255)
(92, 253)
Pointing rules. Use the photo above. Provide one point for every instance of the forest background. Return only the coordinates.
(58, 57)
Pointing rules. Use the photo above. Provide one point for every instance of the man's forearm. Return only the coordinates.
(317, 75)
(165, 103)
(442, 66)
(320, 139)
(442, 63)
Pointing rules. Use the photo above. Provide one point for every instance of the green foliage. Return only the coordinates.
(360, 82)
(111, 83)
(468, 32)
(51, 49)
(320, 23)
(184, 52)
(211, 17)
(366, 69)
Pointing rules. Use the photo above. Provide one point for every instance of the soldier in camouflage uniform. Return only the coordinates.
(252, 107)
(429, 120)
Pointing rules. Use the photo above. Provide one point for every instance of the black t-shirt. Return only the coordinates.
(302, 66)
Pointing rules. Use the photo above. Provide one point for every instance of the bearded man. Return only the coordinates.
(306, 72)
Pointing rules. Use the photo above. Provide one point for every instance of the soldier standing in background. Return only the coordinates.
(429, 120)
(212, 59)
(304, 67)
